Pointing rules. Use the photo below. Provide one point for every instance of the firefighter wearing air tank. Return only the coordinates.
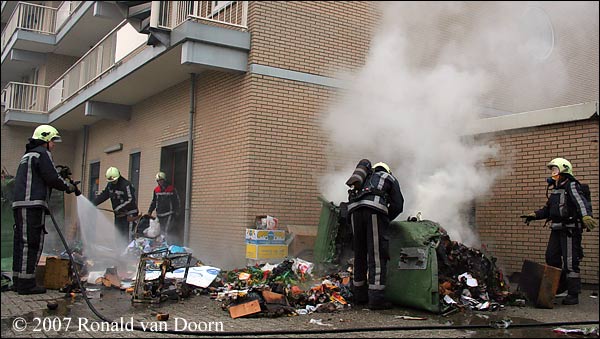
(567, 211)
(374, 200)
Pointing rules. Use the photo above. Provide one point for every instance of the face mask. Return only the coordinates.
(555, 174)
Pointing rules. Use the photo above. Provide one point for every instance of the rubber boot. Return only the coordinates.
(574, 288)
(28, 286)
(377, 300)
(562, 285)
(15, 284)
(361, 294)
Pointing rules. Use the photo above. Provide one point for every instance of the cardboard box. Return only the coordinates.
(57, 273)
(254, 236)
(244, 309)
(303, 242)
(266, 251)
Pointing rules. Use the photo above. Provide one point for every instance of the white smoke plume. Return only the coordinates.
(425, 80)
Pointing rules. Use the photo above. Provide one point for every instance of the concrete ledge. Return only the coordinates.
(107, 110)
(295, 76)
(215, 56)
(542, 117)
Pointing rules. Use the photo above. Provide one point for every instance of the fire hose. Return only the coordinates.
(294, 332)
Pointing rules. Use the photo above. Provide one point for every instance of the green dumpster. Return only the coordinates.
(412, 272)
(325, 244)
(7, 223)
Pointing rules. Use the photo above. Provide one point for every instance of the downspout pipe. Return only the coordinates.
(86, 133)
(190, 152)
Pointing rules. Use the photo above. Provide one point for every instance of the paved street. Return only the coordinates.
(28, 316)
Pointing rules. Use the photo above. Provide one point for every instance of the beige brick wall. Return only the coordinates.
(257, 150)
(521, 189)
(55, 66)
(161, 118)
(317, 37)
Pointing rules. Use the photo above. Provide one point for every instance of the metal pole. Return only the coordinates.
(188, 179)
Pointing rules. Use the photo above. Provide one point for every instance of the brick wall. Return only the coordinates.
(55, 66)
(521, 189)
(156, 120)
(317, 37)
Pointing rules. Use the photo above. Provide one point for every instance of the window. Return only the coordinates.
(94, 183)
(538, 33)
(134, 171)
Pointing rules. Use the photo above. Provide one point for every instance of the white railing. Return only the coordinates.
(232, 13)
(30, 17)
(64, 11)
(116, 45)
(18, 96)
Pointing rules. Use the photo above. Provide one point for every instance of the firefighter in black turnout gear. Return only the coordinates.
(122, 197)
(567, 211)
(36, 177)
(374, 200)
(167, 204)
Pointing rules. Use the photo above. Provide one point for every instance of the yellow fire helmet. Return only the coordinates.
(564, 166)
(161, 176)
(112, 174)
(384, 166)
(46, 133)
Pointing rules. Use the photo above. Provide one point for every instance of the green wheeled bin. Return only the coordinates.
(412, 272)
(7, 223)
(325, 244)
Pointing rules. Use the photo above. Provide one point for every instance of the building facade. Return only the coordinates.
(225, 97)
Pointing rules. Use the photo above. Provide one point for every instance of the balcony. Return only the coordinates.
(26, 100)
(35, 30)
(30, 17)
(122, 69)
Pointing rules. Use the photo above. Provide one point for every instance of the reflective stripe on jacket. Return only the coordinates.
(166, 201)
(35, 179)
(391, 202)
(122, 197)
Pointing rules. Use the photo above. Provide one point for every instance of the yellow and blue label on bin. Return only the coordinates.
(266, 244)
(255, 236)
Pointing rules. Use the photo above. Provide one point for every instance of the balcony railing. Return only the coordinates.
(37, 18)
(118, 44)
(231, 13)
(18, 96)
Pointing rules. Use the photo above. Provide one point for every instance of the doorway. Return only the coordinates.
(173, 161)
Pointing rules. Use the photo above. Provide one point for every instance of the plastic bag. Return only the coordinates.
(153, 230)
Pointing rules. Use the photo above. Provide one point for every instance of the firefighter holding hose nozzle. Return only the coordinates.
(36, 177)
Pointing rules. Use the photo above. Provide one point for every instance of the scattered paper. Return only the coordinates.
(318, 322)
(407, 317)
(584, 330)
(202, 276)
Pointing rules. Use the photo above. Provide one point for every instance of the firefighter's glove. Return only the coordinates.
(73, 187)
(528, 218)
(589, 223)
